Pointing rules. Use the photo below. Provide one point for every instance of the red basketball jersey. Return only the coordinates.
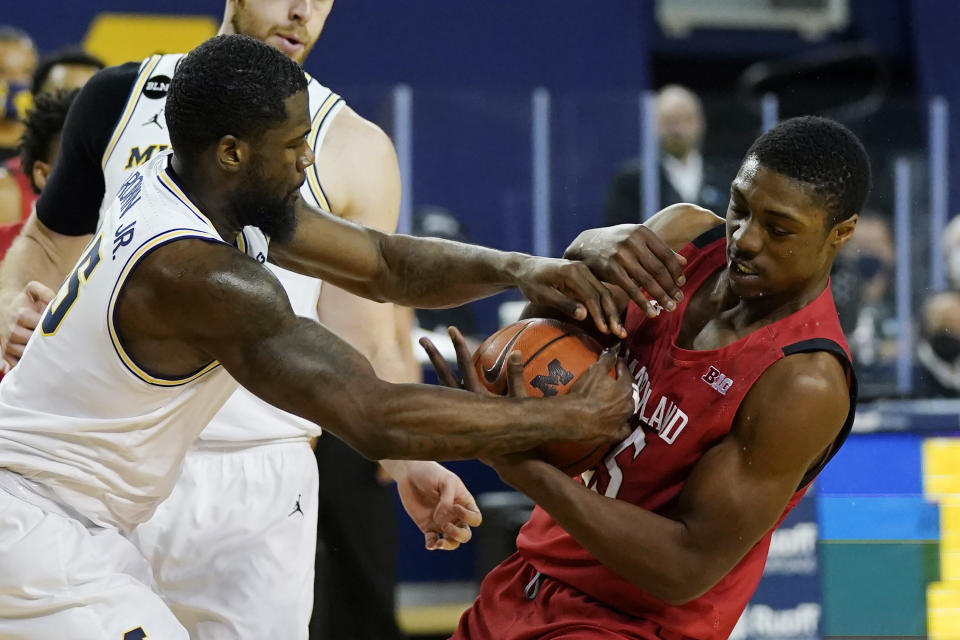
(688, 401)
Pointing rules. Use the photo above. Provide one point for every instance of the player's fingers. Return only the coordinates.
(465, 360)
(457, 533)
(467, 516)
(19, 336)
(554, 298)
(516, 387)
(659, 282)
(612, 311)
(431, 540)
(14, 351)
(673, 261)
(39, 292)
(444, 373)
(585, 287)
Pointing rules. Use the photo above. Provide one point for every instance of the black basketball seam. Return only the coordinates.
(540, 350)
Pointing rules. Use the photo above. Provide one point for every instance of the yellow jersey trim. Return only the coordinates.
(313, 180)
(178, 193)
(130, 108)
(132, 261)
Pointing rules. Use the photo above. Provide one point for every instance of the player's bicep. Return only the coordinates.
(740, 487)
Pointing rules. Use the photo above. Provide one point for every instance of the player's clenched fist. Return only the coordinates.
(24, 314)
(610, 399)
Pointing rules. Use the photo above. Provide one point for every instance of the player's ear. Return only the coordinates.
(843, 231)
(39, 172)
(232, 153)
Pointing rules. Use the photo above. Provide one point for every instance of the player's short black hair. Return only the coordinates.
(44, 121)
(823, 154)
(66, 55)
(229, 85)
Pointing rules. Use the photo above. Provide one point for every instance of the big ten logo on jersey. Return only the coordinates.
(717, 380)
(137, 156)
(128, 196)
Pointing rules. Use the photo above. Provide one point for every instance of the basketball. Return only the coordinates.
(555, 355)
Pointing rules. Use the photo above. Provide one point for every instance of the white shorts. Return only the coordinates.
(61, 578)
(233, 547)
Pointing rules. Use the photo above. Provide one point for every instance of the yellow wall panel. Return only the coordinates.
(122, 37)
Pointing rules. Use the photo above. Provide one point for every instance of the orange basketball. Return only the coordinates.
(555, 354)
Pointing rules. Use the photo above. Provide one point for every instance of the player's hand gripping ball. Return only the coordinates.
(555, 355)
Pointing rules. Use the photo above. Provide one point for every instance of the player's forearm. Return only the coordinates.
(421, 422)
(310, 372)
(431, 273)
(650, 551)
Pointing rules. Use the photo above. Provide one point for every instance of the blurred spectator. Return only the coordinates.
(684, 175)
(951, 252)
(18, 57)
(39, 147)
(861, 283)
(938, 350)
(436, 222)
(67, 68)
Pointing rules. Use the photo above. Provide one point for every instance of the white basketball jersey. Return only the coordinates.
(141, 134)
(79, 415)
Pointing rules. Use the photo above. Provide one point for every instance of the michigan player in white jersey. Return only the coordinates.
(260, 584)
(129, 360)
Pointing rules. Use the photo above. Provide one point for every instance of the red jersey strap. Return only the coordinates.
(825, 344)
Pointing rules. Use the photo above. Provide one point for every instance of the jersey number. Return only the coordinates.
(67, 295)
(637, 441)
(135, 634)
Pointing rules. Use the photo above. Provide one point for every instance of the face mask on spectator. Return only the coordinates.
(869, 265)
(15, 100)
(945, 345)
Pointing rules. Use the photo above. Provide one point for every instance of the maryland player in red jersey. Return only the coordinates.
(745, 392)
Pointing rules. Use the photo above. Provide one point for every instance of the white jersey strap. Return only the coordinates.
(324, 107)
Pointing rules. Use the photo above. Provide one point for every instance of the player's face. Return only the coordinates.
(275, 172)
(779, 242)
(292, 26)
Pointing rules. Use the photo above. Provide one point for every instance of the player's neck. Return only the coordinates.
(762, 310)
(206, 196)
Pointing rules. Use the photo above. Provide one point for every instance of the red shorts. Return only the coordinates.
(514, 606)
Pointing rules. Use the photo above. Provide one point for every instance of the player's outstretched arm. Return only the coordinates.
(38, 254)
(428, 272)
(191, 301)
(735, 493)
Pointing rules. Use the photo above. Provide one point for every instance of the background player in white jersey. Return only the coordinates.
(159, 302)
(260, 584)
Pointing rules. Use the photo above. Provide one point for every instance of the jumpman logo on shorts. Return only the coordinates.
(297, 508)
(154, 120)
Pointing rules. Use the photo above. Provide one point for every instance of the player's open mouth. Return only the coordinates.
(740, 269)
(288, 44)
